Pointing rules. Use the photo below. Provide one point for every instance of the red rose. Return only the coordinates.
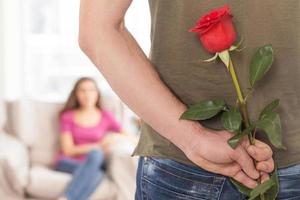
(216, 30)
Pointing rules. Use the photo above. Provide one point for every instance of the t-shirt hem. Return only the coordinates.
(280, 164)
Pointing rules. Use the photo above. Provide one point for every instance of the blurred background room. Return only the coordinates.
(40, 61)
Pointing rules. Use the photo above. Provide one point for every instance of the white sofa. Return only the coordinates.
(27, 152)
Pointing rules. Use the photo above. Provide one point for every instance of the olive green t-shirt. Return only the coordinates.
(175, 54)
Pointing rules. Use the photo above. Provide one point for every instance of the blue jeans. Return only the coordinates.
(86, 175)
(165, 179)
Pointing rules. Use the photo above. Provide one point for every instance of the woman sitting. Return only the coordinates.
(84, 125)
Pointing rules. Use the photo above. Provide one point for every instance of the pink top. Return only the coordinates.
(87, 135)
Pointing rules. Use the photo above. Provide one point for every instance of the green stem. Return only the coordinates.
(243, 107)
(235, 82)
(242, 102)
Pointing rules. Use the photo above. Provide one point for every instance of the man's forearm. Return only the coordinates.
(169, 124)
(131, 75)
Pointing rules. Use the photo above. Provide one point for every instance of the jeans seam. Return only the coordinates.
(207, 184)
(143, 189)
(186, 170)
(177, 193)
(221, 189)
(142, 183)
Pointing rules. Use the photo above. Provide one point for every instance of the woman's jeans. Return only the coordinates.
(165, 179)
(86, 175)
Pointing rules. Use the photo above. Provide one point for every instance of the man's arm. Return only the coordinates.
(106, 41)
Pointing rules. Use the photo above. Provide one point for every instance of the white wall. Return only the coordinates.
(1, 51)
(2, 114)
(137, 21)
(12, 46)
(18, 73)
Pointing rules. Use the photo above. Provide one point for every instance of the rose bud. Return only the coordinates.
(216, 30)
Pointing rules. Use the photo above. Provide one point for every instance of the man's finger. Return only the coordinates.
(260, 153)
(229, 169)
(245, 161)
(259, 143)
(264, 177)
(245, 180)
(266, 166)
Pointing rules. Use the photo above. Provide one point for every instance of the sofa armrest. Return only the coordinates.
(14, 161)
(10, 188)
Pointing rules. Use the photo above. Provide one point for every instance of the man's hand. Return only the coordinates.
(212, 152)
(262, 153)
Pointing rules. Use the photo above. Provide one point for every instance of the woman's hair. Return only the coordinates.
(72, 102)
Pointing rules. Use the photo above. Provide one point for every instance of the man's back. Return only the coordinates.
(176, 54)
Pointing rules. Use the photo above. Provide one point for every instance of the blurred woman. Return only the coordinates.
(84, 125)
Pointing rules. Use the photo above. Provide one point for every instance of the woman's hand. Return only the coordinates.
(106, 143)
(212, 152)
(128, 136)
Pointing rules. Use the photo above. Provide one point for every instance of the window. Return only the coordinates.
(49, 56)
(42, 58)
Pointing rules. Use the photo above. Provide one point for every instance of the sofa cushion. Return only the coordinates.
(122, 170)
(46, 183)
(121, 166)
(45, 138)
(35, 123)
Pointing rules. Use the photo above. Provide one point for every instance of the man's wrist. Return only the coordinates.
(187, 132)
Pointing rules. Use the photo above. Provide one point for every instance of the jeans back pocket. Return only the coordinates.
(167, 179)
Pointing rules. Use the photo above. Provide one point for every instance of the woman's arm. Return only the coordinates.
(70, 149)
